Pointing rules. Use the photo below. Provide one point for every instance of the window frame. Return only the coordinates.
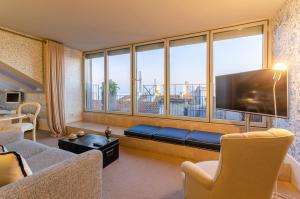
(85, 79)
(209, 72)
(106, 66)
(204, 119)
(265, 52)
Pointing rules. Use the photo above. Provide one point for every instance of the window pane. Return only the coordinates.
(150, 78)
(94, 76)
(233, 52)
(119, 98)
(188, 61)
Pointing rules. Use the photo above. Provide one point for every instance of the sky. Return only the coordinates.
(187, 63)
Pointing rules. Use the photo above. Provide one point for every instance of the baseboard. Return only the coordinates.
(295, 165)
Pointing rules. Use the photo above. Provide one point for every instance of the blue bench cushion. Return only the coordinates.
(144, 131)
(172, 135)
(204, 139)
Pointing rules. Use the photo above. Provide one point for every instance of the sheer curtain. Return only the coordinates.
(54, 86)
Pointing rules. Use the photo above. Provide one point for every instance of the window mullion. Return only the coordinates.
(167, 79)
(106, 82)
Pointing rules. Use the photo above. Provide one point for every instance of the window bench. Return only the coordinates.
(201, 139)
(187, 150)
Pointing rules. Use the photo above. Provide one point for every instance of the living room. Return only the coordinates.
(153, 99)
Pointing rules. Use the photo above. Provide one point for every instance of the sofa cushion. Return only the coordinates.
(26, 148)
(172, 135)
(145, 131)
(48, 158)
(10, 137)
(202, 139)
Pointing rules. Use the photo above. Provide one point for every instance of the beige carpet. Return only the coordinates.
(143, 175)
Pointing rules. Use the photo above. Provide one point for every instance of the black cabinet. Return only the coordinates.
(110, 149)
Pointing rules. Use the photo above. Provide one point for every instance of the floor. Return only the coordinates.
(144, 175)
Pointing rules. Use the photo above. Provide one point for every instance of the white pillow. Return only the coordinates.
(13, 167)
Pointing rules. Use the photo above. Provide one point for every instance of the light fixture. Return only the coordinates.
(278, 68)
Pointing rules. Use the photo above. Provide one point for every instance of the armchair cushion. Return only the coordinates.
(24, 126)
(210, 167)
(197, 173)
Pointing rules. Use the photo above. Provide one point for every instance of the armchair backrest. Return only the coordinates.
(250, 162)
(36, 106)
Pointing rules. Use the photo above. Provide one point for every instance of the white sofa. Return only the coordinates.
(56, 173)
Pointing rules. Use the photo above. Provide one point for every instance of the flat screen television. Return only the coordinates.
(252, 92)
(13, 97)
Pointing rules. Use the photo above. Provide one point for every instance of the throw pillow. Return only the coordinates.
(13, 167)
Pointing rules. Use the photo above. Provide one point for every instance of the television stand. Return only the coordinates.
(247, 121)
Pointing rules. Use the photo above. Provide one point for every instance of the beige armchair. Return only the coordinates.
(28, 126)
(247, 169)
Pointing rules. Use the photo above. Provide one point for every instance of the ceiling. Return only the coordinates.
(95, 24)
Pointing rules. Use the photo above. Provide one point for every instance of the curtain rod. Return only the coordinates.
(21, 34)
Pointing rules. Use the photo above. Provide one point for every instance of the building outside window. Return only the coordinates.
(150, 78)
(188, 71)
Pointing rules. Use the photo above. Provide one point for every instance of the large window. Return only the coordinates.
(119, 80)
(237, 51)
(174, 77)
(150, 77)
(94, 82)
(188, 89)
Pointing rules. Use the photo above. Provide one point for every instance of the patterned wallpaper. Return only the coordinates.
(23, 54)
(26, 55)
(286, 48)
(73, 85)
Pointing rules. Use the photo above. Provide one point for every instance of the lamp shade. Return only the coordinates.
(280, 67)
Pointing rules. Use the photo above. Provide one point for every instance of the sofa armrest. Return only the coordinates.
(75, 178)
(198, 174)
(10, 136)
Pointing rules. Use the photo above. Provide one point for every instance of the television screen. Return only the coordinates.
(13, 97)
(252, 92)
